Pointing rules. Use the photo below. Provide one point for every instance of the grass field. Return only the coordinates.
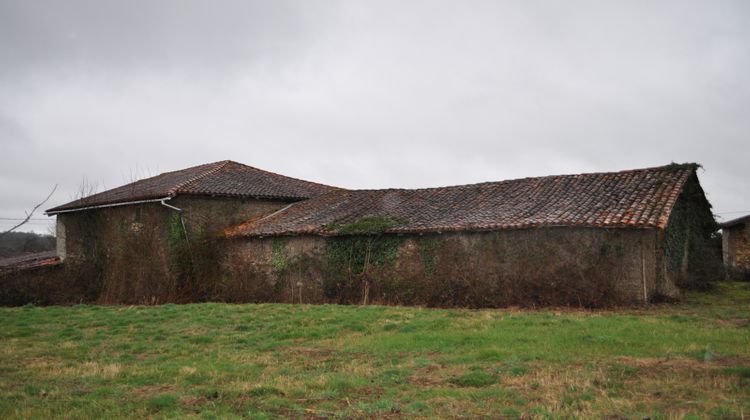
(219, 360)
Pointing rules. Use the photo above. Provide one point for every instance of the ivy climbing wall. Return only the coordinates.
(531, 267)
(692, 246)
(149, 253)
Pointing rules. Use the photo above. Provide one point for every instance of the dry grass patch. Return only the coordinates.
(87, 369)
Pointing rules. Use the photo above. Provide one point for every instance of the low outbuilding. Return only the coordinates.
(588, 239)
(140, 242)
(736, 243)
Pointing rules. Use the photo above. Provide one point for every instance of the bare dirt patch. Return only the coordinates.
(313, 352)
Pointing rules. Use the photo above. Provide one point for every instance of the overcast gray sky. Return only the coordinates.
(371, 94)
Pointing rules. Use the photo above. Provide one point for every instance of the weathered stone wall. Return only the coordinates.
(209, 215)
(128, 258)
(728, 240)
(60, 240)
(737, 246)
(742, 253)
(141, 253)
(543, 266)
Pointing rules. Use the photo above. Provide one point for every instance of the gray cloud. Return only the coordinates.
(111, 37)
(371, 94)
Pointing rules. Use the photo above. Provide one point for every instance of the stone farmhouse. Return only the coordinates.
(230, 232)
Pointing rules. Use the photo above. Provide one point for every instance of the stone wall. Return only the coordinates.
(212, 214)
(127, 258)
(139, 251)
(737, 246)
(742, 253)
(141, 254)
(529, 267)
(728, 245)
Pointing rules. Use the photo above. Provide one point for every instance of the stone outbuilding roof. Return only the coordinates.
(637, 198)
(735, 222)
(225, 178)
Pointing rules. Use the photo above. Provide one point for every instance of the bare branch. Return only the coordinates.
(29, 214)
(85, 189)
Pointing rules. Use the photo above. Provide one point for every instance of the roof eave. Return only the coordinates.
(52, 211)
(735, 222)
(328, 234)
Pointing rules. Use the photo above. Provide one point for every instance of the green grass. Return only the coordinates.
(260, 361)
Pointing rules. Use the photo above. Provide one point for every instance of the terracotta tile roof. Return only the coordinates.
(22, 262)
(225, 178)
(634, 198)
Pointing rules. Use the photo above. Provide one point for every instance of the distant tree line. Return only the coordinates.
(18, 243)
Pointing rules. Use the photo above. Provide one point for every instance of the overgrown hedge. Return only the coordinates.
(50, 285)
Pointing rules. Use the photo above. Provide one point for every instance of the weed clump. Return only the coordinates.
(366, 226)
(262, 391)
(163, 402)
(475, 378)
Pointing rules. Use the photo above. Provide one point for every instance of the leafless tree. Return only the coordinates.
(30, 213)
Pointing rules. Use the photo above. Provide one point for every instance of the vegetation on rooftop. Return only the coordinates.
(674, 166)
(370, 225)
